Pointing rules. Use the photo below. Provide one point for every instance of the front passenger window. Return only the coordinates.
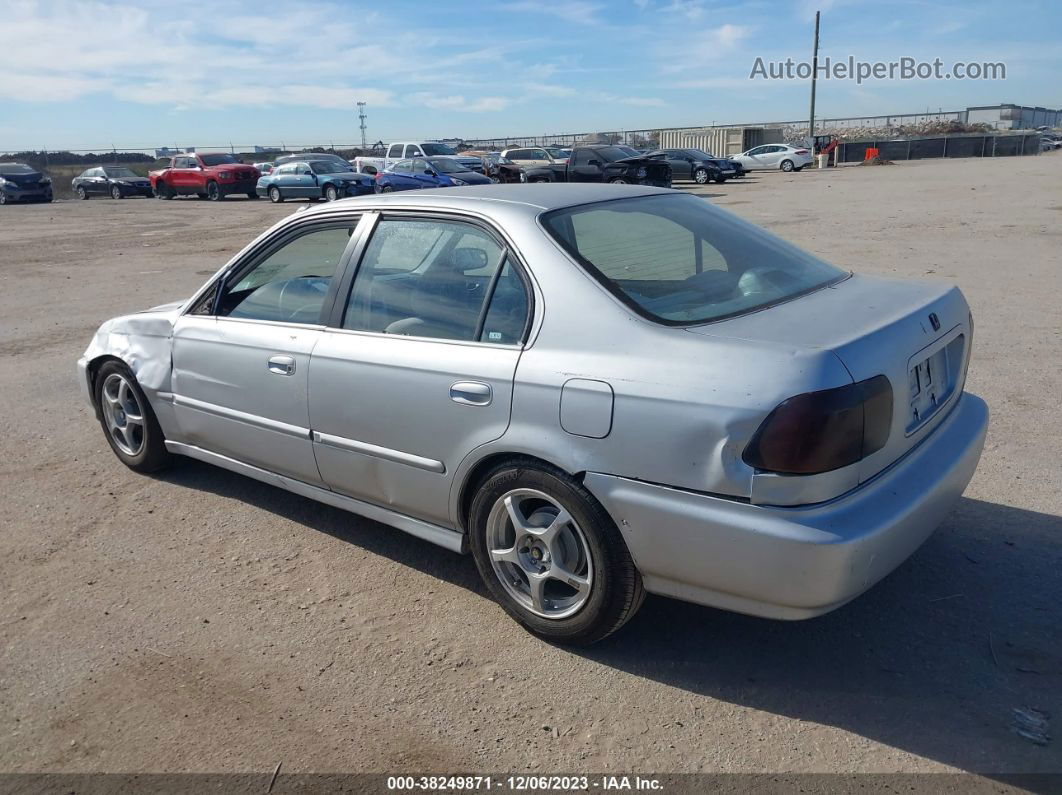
(290, 284)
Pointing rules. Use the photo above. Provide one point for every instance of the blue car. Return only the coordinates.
(427, 172)
(313, 180)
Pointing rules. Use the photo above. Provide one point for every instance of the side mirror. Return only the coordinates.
(431, 173)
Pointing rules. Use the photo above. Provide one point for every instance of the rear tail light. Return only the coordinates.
(822, 431)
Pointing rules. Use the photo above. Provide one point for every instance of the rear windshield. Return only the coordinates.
(680, 261)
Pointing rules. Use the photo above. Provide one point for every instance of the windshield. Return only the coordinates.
(217, 160)
(445, 166)
(680, 261)
(557, 152)
(16, 168)
(437, 149)
(330, 167)
(631, 151)
(120, 173)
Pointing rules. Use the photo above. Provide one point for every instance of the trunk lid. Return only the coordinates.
(915, 333)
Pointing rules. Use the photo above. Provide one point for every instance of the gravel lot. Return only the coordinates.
(201, 621)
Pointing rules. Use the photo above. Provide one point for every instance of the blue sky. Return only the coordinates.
(136, 73)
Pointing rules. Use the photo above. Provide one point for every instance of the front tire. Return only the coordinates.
(127, 420)
(163, 191)
(551, 555)
(620, 181)
(274, 195)
(213, 192)
(787, 165)
(82, 193)
(116, 192)
(700, 176)
(331, 194)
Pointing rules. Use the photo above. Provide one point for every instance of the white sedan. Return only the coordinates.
(782, 156)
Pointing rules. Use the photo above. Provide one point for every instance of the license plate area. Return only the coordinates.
(932, 378)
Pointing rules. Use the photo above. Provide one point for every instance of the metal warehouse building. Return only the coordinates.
(720, 140)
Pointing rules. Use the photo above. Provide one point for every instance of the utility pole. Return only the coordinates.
(361, 118)
(814, 77)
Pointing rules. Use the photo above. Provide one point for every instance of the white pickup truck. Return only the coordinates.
(407, 149)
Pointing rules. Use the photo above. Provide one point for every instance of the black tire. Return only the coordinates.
(201, 196)
(786, 165)
(116, 192)
(495, 179)
(798, 168)
(700, 176)
(615, 592)
(163, 191)
(330, 193)
(82, 193)
(3, 197)
(252, 194)
(386, 189)
(720, 180)
(152, 454)
(620, 181)
(213, 192)
(275, 195)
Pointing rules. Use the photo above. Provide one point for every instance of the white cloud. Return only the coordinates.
(576, 11)
(222, 52)
(459, 102)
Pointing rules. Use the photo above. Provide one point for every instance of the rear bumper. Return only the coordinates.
(800, 562)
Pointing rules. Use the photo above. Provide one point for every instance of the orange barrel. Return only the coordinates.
(872, 152)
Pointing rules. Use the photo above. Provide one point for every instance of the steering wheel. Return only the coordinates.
(316, 285)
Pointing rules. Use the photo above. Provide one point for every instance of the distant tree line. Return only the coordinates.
(43, 159)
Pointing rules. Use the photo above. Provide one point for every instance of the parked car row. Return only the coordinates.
(407, 165)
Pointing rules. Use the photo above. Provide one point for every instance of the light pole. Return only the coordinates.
(814, 77)
(361, 118)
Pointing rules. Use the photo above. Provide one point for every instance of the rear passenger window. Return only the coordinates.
(425, 278)
(395, 151)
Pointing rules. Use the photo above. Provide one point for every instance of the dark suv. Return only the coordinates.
(701, 167)
(22, 183)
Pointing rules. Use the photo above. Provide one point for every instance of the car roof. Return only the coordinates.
(533, 198)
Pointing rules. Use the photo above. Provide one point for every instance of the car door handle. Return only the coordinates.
(282, 365)
(471, 393)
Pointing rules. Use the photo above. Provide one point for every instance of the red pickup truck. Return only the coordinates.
(208, 175)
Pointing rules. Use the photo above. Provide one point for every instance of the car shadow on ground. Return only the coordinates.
(955, 657)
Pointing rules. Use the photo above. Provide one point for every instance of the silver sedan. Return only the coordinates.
(597, 390)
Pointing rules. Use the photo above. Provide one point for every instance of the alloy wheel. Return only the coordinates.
(123, 413)
(539, 553)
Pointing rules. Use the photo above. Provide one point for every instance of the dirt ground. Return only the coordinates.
(202, 621)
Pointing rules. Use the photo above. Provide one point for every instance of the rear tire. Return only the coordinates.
(275, 195)
(127, 420)
(787, 165)
(567, 576)
(82, 193)
(252, 194)
(386, 189)
(620, 181)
